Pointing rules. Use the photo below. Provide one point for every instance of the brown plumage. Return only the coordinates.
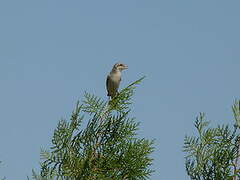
(114, 78)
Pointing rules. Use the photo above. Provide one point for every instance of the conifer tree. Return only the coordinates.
(214, 153)
(3, 177)
(106, 148)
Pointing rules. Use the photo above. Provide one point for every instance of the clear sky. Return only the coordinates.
(51, 51)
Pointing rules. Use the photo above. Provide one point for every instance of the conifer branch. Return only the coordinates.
(106, 148)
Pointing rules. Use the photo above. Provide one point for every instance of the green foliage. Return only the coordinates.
(107, 148)
(48, 176)
(213, 154)
(4, 178)
(236, 112)
(122, 101)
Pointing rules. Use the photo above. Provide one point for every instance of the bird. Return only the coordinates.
(114, 78)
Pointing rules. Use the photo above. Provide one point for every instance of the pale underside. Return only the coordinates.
(113, 81)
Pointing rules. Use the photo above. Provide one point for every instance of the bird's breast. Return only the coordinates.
(116, 76)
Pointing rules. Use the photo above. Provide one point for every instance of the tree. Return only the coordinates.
(214, 153)
(4, 178)
(106, 148)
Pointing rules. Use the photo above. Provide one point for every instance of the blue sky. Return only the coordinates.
(51, 51)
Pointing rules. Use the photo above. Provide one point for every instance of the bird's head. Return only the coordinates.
(119, 66)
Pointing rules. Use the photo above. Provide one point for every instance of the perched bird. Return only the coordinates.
(114, 78)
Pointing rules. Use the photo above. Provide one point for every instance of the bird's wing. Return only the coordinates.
(107, 83)
(107, 80)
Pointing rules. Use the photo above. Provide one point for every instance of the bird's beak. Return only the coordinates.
(125, 67)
